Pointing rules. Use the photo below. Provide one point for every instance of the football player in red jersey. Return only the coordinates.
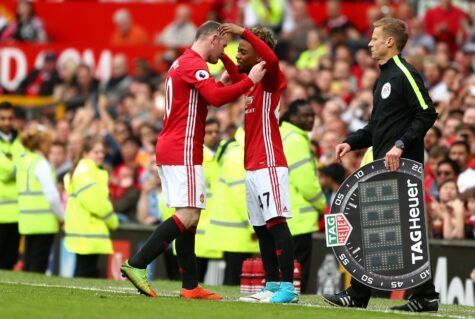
(179, 156)
(267, 183)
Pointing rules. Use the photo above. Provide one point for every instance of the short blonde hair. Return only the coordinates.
(34, 136)
(394, 28)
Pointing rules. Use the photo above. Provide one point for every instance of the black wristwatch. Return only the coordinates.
(399, 144)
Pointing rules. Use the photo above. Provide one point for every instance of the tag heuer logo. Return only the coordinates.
(338, 229)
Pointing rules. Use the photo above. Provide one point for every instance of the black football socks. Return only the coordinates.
(185, 249)
(269, 257)
(158, 242)
(284, 249)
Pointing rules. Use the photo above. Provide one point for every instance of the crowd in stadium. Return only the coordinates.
(327, 64)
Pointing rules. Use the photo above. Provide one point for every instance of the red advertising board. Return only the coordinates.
(90, 22)
(115, 260)
(17, 60)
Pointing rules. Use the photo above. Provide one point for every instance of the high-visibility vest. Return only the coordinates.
(307, 199)
(367, 157)
(9, 155)
(89, 212)
(36, 215)
(229, 228)
(309, 59)
(270, 14)
(210, 167)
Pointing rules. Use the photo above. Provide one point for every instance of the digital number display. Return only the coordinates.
(377, 226)
(381, 225)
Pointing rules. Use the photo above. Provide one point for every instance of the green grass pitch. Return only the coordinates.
(32, 296)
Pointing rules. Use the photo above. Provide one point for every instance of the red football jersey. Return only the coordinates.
(263, 143)
(189, 89)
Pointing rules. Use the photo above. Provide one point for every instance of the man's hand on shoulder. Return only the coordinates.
(230, 28)
(341, 150)
(392, 158)
(257, 72)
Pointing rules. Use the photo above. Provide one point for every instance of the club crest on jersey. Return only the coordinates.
(202, 198)
(201, 75)
(386, 90)
(249, 100)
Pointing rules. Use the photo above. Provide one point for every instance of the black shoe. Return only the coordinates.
(344, 299)
(419, 304)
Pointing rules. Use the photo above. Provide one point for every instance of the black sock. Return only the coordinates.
(158, 242)
(269, 258)
(185, 250)
(284, 246)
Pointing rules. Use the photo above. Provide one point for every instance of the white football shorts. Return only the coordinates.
(183, 186)
(267, 194)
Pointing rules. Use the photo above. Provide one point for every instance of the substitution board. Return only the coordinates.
(377, 226)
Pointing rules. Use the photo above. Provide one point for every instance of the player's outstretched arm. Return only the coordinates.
(218, 95)
(232, 69)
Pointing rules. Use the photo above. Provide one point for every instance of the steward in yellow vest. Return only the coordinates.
(306, 196)
(10, 150)
(229, 228)
(39, 202)
(268, 13)
(203, 250)
(89, 212)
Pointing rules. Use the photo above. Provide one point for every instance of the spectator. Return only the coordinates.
(148, 139)
(148, 206)
(62, 131)
(452, 211)
(180, 32)
(227, 11)
(143, 72)
(446, 169)
(84, 82)
(26, 27)
(331, 177)
(337, 25)
(443, 23)
(41, 82)
(469, 116)
(432, 138)
(58, 158)
(419, 38)
(468, 198)
(127, 33)
(125, 193)
(75, 144)
(116, 87)
(448, 130)
(309, 58)
(460, 153)
(296, 28)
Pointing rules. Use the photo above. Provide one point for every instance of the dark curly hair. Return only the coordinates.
(265, 35)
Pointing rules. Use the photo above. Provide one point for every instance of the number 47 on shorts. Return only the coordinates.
(266, 195)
